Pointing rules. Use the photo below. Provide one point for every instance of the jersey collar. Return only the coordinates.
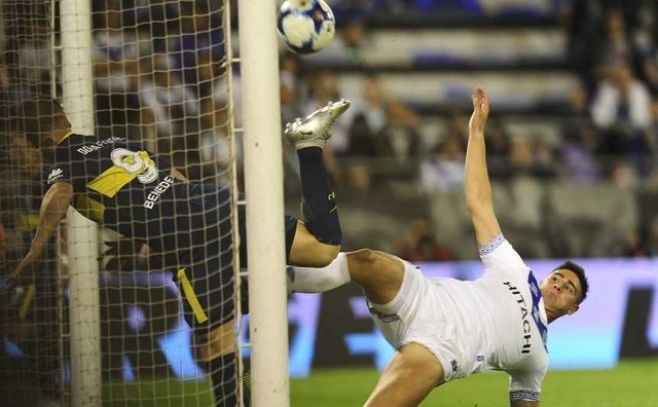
(67, 135)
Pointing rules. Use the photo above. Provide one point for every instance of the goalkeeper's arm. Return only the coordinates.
(53, 209)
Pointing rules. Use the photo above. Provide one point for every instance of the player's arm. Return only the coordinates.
(53, 209)
(477, 188)
(525, 385)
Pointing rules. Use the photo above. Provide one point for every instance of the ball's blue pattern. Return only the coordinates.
(316, 13)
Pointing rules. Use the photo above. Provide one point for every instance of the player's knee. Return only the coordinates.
(217, 343)
(362, 263)
(375, 271)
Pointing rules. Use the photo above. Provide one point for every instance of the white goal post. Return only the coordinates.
(264, 192)
(82, 234)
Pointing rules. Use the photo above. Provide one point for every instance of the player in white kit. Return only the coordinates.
(443, 328)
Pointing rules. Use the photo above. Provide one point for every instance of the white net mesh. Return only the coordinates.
(159, 174)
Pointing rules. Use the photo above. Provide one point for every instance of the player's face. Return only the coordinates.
(561, 291)
(25, 156)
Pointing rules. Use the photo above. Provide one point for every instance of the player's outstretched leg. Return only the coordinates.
(319, 212)
(408, 378)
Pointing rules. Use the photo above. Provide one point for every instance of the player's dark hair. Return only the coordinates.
(580, 273)
(40, 117)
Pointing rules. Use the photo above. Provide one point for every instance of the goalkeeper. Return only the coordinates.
(122, 186)
(444, 329)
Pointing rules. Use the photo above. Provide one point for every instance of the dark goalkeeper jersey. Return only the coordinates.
(124, 187)
(115, 182)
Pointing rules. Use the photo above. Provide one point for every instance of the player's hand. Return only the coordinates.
(480, 111)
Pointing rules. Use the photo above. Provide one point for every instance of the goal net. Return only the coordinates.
(158, 170)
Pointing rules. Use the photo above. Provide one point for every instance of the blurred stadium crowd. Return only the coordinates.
(572, 145)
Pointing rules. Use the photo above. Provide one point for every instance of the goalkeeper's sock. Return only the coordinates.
(319, 211)
(222, 371)
(319, 280)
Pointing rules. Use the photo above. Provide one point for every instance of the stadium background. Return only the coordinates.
(574, 176)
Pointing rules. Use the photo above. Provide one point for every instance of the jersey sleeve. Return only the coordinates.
(499, 256)
(64, 168)
(57, 171)
(526, 385)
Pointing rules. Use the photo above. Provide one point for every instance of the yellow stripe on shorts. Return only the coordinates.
(191, 298)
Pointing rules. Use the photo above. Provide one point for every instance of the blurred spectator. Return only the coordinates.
(420, 243)
(533, 158)
(291, 85)
(403, 141)
(622, 99)
(636, 246)
(353, 38)
(622, 173)
(116, 51)
(34, 53)
(370, 120)
(323, 87)
(214, 145)
(621, 111)
(444, 169)
(12, 92)
(201, 32)
(545, 159)
(158, 17)
(653, 237)
(616, 47)
(584, 26)
(170, 106)
(116, 64)
(498, 151)
(213, 93)
(385, 130)
(579, 140)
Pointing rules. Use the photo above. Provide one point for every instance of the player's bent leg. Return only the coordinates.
(216, 352)
(218, 342)
(319, 211)
(308, 251)
(408, 378)
(379, 273)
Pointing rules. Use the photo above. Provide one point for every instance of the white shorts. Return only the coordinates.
(417, 315)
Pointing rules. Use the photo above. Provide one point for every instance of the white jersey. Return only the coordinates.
(497, 322)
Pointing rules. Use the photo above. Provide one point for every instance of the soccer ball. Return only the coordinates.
(306, 26)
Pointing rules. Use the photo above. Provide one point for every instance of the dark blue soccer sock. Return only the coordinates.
(222, 371)
(319, 211)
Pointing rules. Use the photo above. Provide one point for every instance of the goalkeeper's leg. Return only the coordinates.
(217, 353)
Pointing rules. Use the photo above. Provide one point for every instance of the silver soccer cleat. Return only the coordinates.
(313, 130)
